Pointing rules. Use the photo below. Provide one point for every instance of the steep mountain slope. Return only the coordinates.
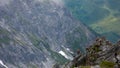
(103, 16)
(37, 33)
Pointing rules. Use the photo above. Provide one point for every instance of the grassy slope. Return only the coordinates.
(110, 23)
(100, 15)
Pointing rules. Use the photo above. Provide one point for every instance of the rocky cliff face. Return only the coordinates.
(102, 54)
(37, 33)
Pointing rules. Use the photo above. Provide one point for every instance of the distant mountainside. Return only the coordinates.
(39, 33)
(103, 16)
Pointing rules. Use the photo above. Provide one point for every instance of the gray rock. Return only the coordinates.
(32, 32)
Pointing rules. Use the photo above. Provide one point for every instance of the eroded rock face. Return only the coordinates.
(102, 53)
(33, 32)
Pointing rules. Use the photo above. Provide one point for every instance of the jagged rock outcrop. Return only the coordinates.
(102, 51)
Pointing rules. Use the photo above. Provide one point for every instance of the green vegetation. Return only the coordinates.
(109, 24)
(82, 67)
(100, 15)
(5, 40)
(3, 31)
(85, 67)
(4, 36)
(36, 41)
(96, 55)
(107, 64)
(21, 42)
(32, 66)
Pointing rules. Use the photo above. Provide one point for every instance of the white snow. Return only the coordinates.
(65, 55)
(69, 50)
(1, 62)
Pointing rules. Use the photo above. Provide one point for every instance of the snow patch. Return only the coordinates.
(65, 55)
(1, 62)
(69, 50)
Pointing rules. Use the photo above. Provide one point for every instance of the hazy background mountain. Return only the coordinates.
(103, 16)
(39, 33)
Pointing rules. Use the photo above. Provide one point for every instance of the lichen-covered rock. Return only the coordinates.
(96, 55)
